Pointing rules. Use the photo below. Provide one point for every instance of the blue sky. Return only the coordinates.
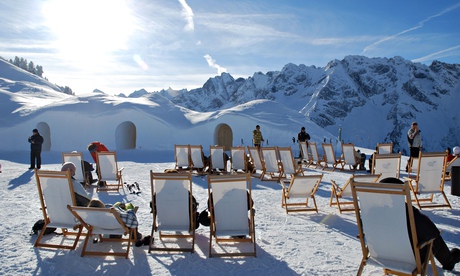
(119, 46)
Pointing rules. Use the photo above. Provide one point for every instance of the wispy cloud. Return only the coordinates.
(212, 63)
(187, 13)
(438, 54)
(419, 25)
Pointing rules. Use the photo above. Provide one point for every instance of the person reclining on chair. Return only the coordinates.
(427, 230)
(81, 196)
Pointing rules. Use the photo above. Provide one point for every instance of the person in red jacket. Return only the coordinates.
(94, 147)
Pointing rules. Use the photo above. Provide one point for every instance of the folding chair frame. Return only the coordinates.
(165, 234)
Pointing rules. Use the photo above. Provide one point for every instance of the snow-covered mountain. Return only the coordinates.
(372, 100)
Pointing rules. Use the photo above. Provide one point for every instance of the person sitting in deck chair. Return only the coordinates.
(81, 196)
(426, 230)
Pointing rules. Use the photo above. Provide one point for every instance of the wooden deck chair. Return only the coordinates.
(198, 163)
(342, 195)
(103, 222)
(256, 160)
(383, 229)
(182, 157)
(55, 190)
(385, 148)
(289, 167)
(271, 164)
(387, 165)
(316, 159)
(430, 180)
(329, 157)
(217, 160)
(232, 216)
(77, 159)
(300, 188)
(108, 171)
(238, 159)
(453, 163)
(349, 158)
(173, 215)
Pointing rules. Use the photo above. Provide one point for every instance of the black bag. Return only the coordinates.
(204, 219)
(39, 226)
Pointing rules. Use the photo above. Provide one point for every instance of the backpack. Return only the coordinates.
(307, 136)
(39, 226)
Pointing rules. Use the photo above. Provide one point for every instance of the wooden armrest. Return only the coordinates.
(422, 245)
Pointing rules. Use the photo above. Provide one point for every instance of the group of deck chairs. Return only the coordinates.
(384, 214)
(232, 230)
(268, 163)
(380, 208)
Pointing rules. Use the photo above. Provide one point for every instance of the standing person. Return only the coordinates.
(36, 141)
(414, 139)
(257, 137)
(302, 137)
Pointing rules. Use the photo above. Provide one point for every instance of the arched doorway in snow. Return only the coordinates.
(223, 136)
(125, 136)
(45, 132)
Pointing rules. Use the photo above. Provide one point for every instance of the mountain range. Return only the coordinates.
(367, 100)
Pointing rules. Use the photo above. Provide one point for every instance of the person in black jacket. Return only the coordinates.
(36, 141)
(426, 230)
(303, 137)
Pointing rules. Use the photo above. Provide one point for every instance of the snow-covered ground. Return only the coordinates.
(322, 243)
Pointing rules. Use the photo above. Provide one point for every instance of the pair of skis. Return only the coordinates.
(133, 188)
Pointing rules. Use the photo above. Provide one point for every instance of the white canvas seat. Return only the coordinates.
(256, 161)
(329, 157)
(231, 215)
(289, 167)
(387, 165)
(430, 180)
(197, 159)
(238, 159)
(383, 229)
(108, 171)
(349, 158)
(297, 192)
(413, 167)
(182, 157)
(103, 222)
(315, 159)
(217, 159)
(77, 159)
(306, 156)
(55, 190)
(271, 163)
(173, 215)
(343, 196)
(385, 148)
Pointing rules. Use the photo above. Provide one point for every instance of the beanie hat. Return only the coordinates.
(69, 166)
(35, 130)
(457, 150)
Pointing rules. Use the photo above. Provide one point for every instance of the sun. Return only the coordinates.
(89, 29)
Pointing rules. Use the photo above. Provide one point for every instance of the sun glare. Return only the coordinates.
(89, 29)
